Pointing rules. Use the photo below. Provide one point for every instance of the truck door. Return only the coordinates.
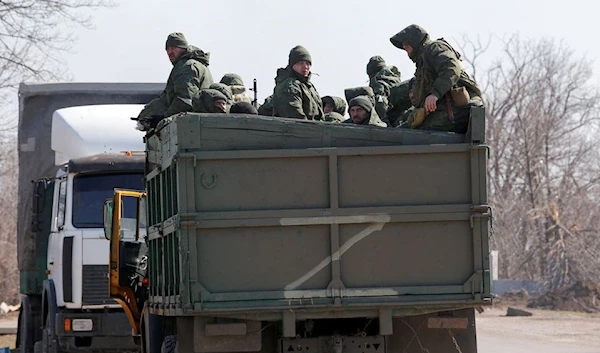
(125, 226)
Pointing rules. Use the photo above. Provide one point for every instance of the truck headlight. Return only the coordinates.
(82, 325)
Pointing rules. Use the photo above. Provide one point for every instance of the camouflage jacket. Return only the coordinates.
(373, 119)
(382, 83)
(439, 68)
(189, 75)
(339, 105)
(296, 97)
(267, 107)
(334, 117)
(204, 102)
(365, 91)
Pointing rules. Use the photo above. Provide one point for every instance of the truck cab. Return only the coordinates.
(96, 149)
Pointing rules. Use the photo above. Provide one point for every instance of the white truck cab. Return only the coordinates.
(95, 148)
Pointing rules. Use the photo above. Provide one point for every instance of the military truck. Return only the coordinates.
(76, 144)
(262, 234)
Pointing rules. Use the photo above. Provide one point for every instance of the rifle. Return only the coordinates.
(253, 89)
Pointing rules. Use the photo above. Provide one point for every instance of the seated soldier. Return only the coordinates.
(294, 95)
(226, 90)
(443, 90)
(366, 91)
(210, 101)
(234, 81)
(334, 109)
(243, 108)
(362, 112)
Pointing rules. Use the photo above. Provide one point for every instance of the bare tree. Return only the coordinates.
(32, 42)
(543, 116)
(9, 289)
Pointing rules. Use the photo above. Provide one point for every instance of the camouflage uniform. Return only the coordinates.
(438, 71)
(366, 91)
(266, 108)
(365, 103)
(205, 101)
(189, 75)
(294, 95)
(381, 79)
(226, 90)
(334, 117)
(338, 103)
(234, 81)
(400, 103)
(243, 108)
(339, 109)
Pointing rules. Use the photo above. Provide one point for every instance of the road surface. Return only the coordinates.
(548, 332)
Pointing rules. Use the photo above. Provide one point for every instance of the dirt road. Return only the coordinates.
(546, 331)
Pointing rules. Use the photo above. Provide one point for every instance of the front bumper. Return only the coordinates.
(110, 332)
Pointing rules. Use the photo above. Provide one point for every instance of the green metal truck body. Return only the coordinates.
(259, 227)
(277, 235)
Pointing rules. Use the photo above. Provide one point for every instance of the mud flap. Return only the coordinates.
(444, 332)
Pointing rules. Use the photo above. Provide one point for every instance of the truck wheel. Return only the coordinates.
(169, 345)
(49, 343)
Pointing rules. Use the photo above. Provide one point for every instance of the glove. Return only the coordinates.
(416, 117)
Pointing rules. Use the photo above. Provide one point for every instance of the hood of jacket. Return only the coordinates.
(413, 35)
(339, 104)
(194, 53)
(287, 72)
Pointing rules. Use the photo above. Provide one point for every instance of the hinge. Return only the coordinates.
(480, 211)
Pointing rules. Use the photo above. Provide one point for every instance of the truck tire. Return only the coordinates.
(49, 343)
(29, 324)
(169, 344)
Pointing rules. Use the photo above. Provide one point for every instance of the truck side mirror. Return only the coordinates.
(39, 195)
(108, 218)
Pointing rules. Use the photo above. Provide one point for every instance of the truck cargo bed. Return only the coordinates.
(255, 216)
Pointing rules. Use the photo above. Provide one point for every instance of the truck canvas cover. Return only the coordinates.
(37, 103)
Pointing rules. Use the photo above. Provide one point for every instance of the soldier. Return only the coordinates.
(243, 108)
(210, 101)
(381, 79)
(366, 91)
(189, 75)
(234, 81)
(443, 91)
(267, 107)
(401, 103)
(362, 112)
(333, 104)
(334, 109)
(226, 90)
(294, 95)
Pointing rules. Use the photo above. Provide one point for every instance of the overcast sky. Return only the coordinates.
(253, 38)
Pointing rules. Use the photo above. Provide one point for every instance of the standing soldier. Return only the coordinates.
(294, 95)
(189, 75)
(443, 91)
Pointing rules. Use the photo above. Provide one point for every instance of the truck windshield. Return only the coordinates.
(90, 192)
